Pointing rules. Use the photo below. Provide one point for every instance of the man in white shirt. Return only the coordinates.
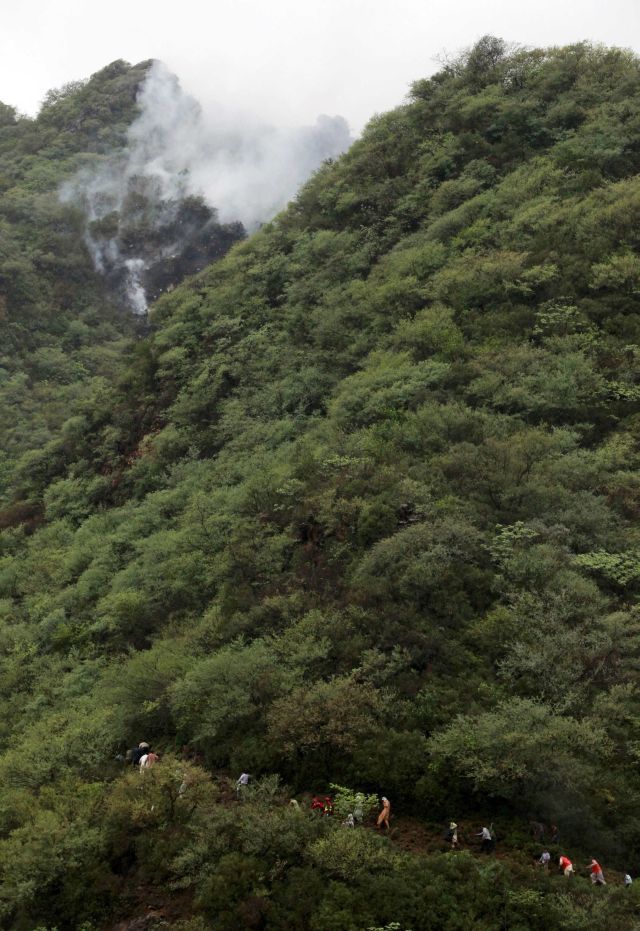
(487, 840)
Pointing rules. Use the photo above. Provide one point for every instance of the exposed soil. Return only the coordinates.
(154, 910)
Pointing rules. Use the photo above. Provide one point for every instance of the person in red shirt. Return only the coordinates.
(566, 865)
(597, 876)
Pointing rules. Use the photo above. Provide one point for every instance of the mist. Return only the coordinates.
(246, 169)
(186, 173)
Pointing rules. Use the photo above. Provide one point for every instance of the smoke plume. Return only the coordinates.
(187, 183)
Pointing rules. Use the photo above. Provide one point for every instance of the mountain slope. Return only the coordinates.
(64, 325)
(361, 510)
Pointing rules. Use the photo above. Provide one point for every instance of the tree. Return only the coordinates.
(521, 751)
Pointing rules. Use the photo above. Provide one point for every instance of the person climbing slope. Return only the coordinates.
(545, 858)
(452, 835)
(385, 814)
(148, 759)
(242, 784)
(486, 845)
(358, 808)
(134, 756)
(597, 876)
(566, 866)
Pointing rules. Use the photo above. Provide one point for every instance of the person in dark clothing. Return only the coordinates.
(138, 753)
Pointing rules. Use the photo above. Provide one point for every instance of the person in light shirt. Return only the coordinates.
(241, 784)
(486, 844)
(148, 760)
(545, 857)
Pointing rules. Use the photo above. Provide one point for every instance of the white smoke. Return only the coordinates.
(245, 170)
(134, 287)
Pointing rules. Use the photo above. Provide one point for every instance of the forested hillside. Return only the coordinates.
(59, 332)
(361, 509)
(65, 323)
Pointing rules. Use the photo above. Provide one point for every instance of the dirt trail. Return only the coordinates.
(154, 910)
(415, 837)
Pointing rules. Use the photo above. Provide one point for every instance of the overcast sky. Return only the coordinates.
(285, 60)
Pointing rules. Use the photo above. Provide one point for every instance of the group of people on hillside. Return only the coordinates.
(566, 867)
(144, 757)
(488, 836)
(538, 831)
(323, 805)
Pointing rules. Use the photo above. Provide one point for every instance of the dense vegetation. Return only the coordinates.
(63, 327)
(60, 332)
(361, 509)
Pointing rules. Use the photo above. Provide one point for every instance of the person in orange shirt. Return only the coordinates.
(385, 814)
(566, 866)
(597, 876)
